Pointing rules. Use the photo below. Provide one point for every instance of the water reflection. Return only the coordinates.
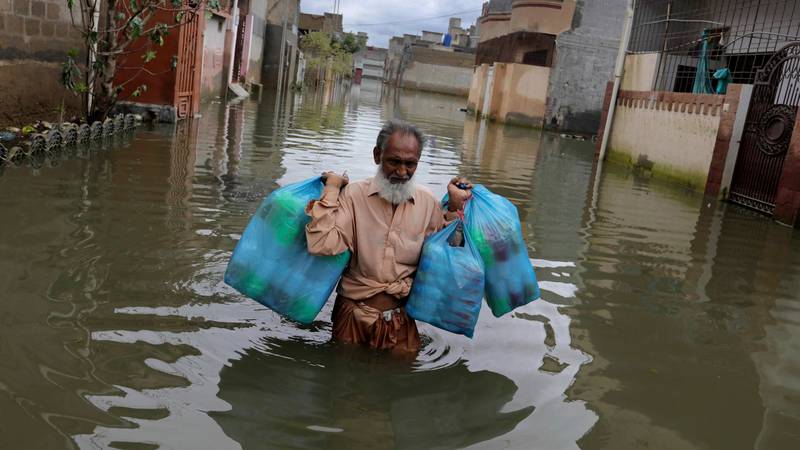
(345, 398)
(697, 285)
(658, 311)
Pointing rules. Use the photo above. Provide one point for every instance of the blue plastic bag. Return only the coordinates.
(448, 287)
(494, 229)
(271, 263)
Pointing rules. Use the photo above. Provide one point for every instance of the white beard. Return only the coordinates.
(394, 193)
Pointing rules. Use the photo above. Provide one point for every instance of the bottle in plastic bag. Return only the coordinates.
(493, 225)
(271, 263)
(448, 287)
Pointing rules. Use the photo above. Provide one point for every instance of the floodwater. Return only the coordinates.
(665, 323)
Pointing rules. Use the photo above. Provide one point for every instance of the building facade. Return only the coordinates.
(575, 40)
(374, 60)
(434, 62)
(213, 51)
(281, 51)
(709, 99)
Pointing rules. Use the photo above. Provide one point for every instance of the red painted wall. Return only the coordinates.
(161, 86)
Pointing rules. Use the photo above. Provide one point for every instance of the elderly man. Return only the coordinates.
(383, 221)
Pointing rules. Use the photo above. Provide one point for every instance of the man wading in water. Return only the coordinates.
(383, 221)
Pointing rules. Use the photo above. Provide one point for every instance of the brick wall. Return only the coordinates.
(34, 38)
(36, 29)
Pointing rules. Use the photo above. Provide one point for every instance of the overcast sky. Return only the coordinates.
(382, 19)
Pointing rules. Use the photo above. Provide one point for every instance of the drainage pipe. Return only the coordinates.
(618, 71)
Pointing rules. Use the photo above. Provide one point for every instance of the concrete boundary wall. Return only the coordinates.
(451, 80)
(671, 135)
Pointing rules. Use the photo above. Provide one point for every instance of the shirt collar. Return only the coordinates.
(372, 189)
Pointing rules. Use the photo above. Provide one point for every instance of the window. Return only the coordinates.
(535, 58)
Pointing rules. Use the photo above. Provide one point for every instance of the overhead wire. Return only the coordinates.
(414, 20)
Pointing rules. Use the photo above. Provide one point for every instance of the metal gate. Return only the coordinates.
(187, 76)
(767, 131)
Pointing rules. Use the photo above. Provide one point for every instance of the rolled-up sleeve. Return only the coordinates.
(330, 231)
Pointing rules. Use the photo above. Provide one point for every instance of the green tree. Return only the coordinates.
(113, 28)
(317, 48)
(320, 49)
(351, 44)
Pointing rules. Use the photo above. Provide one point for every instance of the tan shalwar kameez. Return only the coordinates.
(386, 244)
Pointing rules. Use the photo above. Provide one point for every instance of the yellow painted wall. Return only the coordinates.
(520, 94)
(640, 72)
(542, 16)
(676, 144)
(494, 25)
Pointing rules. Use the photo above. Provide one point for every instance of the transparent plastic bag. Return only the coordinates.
(271, 263)
(448, 286)
(494, 229)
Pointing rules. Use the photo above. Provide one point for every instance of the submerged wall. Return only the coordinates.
(214, 78)
(671, 135)
(438, 78)
(445, 72)
(517, 93)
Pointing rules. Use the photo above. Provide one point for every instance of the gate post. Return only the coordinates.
(787, 201)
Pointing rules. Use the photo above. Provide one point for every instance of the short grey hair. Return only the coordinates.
(393, 126)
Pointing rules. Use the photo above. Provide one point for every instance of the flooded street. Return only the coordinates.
(665, 322)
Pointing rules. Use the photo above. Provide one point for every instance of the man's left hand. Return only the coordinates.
(459, 191)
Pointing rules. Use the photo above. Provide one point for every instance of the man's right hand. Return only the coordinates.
(335, 180)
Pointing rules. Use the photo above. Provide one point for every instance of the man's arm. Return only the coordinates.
(330, 231)
(459, 191)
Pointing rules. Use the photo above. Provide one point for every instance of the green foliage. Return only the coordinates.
(350, 43)
(320, 48)
(70, 72)
(342, 63)
(142, 88)
(159, 31)
(135, 29)
(316, 43)
(149, 56)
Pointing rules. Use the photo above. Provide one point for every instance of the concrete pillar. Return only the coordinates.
(787, 202)
(726, 148)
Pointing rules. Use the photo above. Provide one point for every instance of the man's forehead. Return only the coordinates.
(404, 145)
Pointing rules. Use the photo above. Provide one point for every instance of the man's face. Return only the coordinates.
(399, 161)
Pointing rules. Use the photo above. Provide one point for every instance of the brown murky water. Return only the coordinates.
(665, 323)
